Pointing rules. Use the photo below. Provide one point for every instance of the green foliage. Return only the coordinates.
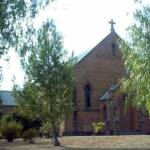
(29, 134)
(98, 127)
(46, 129)
(10, 129)
(26, 121)
(136, 56)
(7, 118)
(0, 135)
(12, 15)
(47, 93)
(48, 89)
(0, 130)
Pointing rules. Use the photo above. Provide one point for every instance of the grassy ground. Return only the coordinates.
(83, 143)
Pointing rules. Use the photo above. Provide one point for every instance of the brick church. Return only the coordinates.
(97, 96)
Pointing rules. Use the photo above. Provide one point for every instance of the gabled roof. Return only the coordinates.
(88, 52)
(7, 98)
(81, 56)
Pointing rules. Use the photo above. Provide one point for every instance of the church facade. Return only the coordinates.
(97, 80)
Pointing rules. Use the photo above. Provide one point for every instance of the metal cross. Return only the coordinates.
(112, 25)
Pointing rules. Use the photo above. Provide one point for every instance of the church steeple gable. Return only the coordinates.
(112, 23)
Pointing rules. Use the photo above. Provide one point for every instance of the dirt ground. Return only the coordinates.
(82, 143)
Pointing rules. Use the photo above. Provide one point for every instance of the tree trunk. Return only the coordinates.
(55, 140)
(54, 136)
(31, 141)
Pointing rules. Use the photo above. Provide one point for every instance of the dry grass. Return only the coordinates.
(108, 142)
(83, 143)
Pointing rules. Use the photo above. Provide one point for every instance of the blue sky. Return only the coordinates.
(83, 23)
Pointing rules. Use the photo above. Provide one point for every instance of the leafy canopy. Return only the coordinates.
(136, 55)
(47, 92)
(13, 13)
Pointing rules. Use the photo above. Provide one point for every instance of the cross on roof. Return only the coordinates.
(112, 25)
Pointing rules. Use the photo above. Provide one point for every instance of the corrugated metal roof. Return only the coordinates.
(82, 55)
(105, 96)
(108, 93)
(7, 98)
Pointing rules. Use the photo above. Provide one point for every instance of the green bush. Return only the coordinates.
(7, 118)
(98, 127)
(29, 135)
(0, 130)
(46, 129)
(10, 130)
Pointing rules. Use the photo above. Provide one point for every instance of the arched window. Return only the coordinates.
(87, 91)
(113, 49)
(74, 96)
(104, 113)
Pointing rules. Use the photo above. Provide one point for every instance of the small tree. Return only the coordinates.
(29, 135)
(47, 93)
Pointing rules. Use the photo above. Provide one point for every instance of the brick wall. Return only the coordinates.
(99, 68)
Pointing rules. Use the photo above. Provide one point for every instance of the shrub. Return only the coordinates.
(0, 130)
(10, 130)
(27, 122)
(0, 133)
(46, 129)
(97, 127)
(29, 134)
(7, 118)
